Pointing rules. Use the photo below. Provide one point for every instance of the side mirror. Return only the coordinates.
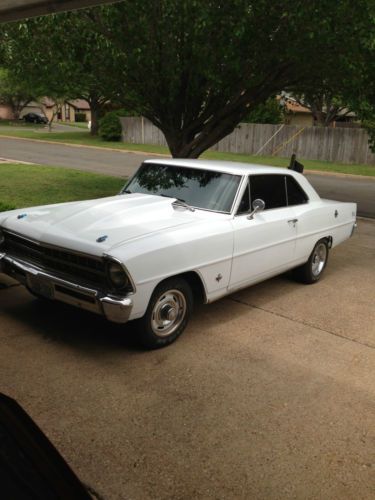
(258, 206)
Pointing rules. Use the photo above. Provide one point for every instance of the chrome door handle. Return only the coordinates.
(293, 221)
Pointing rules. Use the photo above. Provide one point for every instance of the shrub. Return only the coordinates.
(80, 117)
(110, 127)
(5, 206)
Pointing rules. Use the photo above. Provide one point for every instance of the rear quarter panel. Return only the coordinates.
(322, 219)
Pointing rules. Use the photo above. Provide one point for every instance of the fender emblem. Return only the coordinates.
(336, 213)
(218, 277)
(102, 238)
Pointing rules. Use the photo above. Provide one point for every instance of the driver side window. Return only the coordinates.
(244, 206)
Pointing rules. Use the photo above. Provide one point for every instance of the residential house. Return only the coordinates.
(67, 112)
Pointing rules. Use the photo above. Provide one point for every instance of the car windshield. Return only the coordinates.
(205, 189)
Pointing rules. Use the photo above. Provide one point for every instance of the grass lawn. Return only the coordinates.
(86, 139)
(29, 185)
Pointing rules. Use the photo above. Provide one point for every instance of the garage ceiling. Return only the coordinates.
(14, 10)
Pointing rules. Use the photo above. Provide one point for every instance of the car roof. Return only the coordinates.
(230, 167)
(238, 168)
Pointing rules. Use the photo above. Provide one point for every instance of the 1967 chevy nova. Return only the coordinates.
(180, 231)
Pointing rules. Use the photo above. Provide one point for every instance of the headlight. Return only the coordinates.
(117, 276)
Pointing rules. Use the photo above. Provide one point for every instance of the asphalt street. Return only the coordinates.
(268, 394)
(123, 164)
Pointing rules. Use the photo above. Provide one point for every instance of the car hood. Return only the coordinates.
(97, 226)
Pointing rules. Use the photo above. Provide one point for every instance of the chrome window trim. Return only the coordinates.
(286, 193)
(230, 212)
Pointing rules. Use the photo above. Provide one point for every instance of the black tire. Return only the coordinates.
(158, 327)
(312, 271)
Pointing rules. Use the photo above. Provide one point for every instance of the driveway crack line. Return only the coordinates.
(330, 332)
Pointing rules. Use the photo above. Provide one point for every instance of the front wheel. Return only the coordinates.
(311, 271)
(167, 314)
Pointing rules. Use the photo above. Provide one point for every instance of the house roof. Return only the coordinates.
(48, 102)
(79, 104)
(296, 107)
(76, 103)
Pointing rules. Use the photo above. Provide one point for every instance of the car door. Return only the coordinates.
(265, 244)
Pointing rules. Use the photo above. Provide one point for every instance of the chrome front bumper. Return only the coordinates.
(116, 309)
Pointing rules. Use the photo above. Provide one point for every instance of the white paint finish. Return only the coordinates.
(317, 220)
(155, 241)
(262, 244)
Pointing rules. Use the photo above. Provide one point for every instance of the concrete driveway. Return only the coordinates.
(269, 394)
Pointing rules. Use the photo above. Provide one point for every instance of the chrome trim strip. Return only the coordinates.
(114, 309)
(117, 311)
(35, 271)
(49, 245)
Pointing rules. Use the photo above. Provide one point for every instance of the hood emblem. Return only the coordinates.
(101, 238)
(21, 216)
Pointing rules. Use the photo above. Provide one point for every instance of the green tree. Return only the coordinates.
(195, 68)
(266, 112)
(325, 105)
(65, 59)
(14, 92)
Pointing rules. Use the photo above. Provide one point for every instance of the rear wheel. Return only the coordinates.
(167, 314)
(311, 271)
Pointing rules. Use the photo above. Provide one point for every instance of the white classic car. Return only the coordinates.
(180, 231)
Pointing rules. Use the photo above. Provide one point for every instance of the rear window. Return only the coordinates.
(296, 195)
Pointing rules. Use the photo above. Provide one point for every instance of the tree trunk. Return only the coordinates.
(183, 145)
(95, 114)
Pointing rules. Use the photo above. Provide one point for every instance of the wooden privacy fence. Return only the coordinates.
(343, 145)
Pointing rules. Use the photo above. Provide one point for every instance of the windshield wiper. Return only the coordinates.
(183, 203)
(178, 201)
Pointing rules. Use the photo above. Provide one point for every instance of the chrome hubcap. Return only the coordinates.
(319, 259)
(168, 313)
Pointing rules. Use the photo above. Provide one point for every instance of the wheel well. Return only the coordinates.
(327, 239)
(196, 285)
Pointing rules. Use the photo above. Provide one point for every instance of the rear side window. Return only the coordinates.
(296, 195)
(270, 189)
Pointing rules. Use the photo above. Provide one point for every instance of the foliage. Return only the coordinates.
(80, 117)
(196, 67)
(110, 128)
(126, 112)
(267, 112)
(6, 206)
(14, 91)
(64, 59)
(369, 125)
(326, 105)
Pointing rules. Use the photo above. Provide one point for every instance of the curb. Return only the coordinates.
(339, 174)
(101, 148)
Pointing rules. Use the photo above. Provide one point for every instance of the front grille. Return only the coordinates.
(77, 267)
